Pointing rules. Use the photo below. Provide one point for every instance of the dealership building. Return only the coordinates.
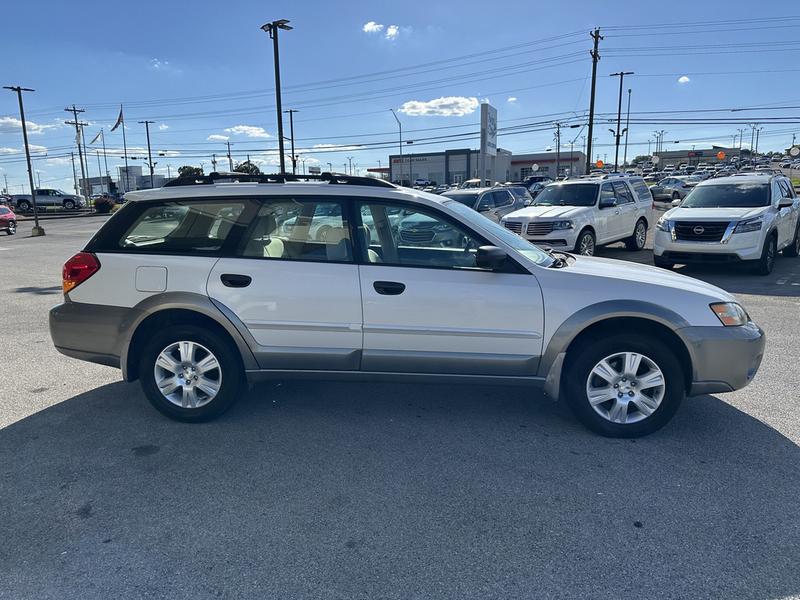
(456, 166)
(693, 157)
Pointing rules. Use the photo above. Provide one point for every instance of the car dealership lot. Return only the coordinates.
(315, 489)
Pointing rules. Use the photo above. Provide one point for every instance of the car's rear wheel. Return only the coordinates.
(639, 237)
(24, 205)
(793, 249)
(663, 264)
(12, 228)
(69, 204)
(191, 374)
(625, 385)
(676, 196)
(766, 263)
(586, 243)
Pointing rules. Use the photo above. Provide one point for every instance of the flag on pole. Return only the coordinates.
(97, 137)
(120, 119)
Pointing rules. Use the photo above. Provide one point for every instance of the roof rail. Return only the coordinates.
(331, 178)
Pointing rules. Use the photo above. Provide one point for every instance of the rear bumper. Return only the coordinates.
(724, 359)
(89, 332)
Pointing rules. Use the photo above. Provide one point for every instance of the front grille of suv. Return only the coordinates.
(700, 231)
(537, 229)
(417, 236)
(516, 227)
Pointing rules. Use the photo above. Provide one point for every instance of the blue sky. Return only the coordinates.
(205, 75)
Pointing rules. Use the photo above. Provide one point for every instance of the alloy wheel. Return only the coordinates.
(586, 246)
(641, 235)
(188, 374)
(626, 387)
(12, 228)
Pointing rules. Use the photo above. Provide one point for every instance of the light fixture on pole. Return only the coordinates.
(272, 29)
(618, 133)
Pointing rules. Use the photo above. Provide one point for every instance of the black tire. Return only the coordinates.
(793, 249)
(69, 204)
(638, 238)
(676, 196)
(766, 263)
(12, 228)
(662, 264)
(231, 373)
(24, 205)
(582, 360)
(586, 243)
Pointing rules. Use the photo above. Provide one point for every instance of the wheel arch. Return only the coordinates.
(178, 308)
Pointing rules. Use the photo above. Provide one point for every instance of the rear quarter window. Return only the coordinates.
(642, 191)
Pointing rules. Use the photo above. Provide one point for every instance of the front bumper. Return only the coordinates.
(724, 359)
(740, 246)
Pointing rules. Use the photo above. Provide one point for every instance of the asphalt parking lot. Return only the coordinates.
(339, 490)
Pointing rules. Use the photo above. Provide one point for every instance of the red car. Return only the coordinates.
(8, 220)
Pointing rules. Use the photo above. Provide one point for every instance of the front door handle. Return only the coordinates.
(233, 280)
(389, 288)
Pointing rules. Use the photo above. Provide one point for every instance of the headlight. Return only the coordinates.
(663, 224)
(730, 314)
(749, 225)
(562, 224)
(442, 227)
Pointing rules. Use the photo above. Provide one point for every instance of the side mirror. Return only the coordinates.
(490, 257)
(608, 203)
(676, 203)
(483, 207)
(785, 202)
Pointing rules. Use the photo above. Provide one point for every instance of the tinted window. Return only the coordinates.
(4, 210)
(503, 198)
(607, 192)
(185, 226)
(786, 189)
(579, 194)
(623, 193)
(298, 230)
(465, 199)
(486, 201)
(642, 191)
(730, 195)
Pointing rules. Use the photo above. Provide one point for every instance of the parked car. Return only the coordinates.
(520, 192)
(581, 214)
(48, 197)
(198, 307)
(730, 219)
(8, 220)
(672, 188)
(494, 203)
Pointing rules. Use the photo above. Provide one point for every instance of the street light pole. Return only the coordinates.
(350, 162)
(272, 29)
(627, 128)
(621, 76)
(291, 112)
(149, 154)
(400, 127)
(37, 230)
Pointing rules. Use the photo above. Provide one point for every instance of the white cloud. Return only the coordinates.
(446, 106)
(163, 126)
(392, 31)
(250, 131)
(6, 150)
(12, 125)
(372, 27)
(512, 99)
(59, 161)
(215, 137)
(683, 79)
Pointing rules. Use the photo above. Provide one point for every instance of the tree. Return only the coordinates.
(641, 159)
(247, 167)
(189, 171)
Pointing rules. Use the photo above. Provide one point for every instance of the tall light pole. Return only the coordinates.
(618, 135)
(627, 128)
(350, 162)
(400, 127)
(291, 112)
(78, 125)
(272, 29)
(37, 230)
(595, 54)
(149, 154)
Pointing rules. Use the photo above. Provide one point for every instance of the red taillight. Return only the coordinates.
(78, 269)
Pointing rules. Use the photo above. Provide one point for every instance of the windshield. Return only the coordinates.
(465, 199)
(580, 194)
(512, 240)
(728, 195)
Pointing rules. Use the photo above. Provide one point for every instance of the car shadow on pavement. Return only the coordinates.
(41, 291)
(319, 489)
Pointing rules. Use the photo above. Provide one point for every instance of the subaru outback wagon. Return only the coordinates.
(198, 289)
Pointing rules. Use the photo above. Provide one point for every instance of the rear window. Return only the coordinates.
(185, 226)
(642, 191)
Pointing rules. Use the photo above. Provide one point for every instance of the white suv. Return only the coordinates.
(581, 214)
(198, 289)
(731, 219)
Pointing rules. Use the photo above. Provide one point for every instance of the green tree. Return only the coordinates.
(641, 158)
(247, 167)
(189, 171)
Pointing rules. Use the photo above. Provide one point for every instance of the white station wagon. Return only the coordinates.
(196, 289)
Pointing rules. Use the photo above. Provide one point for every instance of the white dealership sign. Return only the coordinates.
(488, 130)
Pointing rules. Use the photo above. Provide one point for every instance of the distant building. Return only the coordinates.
(448, 167)
(547, 163)
(134, 179)
(693, 157)
(99, 185)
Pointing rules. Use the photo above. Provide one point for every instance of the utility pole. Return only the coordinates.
(272, 29)
(330, 167)
(105, 159)
(100, 172)
(752, 137)
(618, 135)
(37, 230)
(758, 132)
(230, 160)
(350, 161)
(78, 126)
(149, 154)
(400, 127)
(74, 175)
(5, 178)
(291, 112)
(169, 172)
(558, 148)
(627, 128)
(214, 162)
(595, 54)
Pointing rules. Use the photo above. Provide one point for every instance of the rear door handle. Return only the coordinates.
(233, 280)
(389, 288)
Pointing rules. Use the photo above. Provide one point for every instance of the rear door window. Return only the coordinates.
(623, 193)
(503, 198)
(642, 191)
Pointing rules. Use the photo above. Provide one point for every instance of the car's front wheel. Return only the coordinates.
(766, 263)
(793, 249)
(24, 205)
(191, 374)
(586, 243)
(625, 385)
(69, 204)
(12, 228)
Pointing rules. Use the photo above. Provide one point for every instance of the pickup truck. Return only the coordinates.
(48, 197)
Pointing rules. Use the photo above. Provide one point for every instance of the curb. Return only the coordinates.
(57, 217)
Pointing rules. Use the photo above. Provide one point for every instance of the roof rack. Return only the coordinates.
(331, 178)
